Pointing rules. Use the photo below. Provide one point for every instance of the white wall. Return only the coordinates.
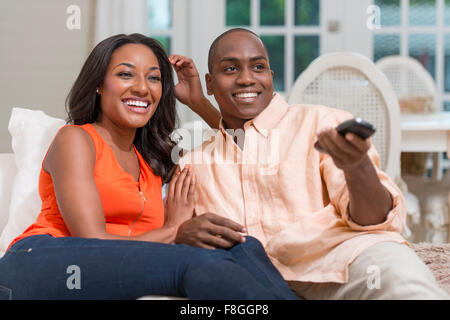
(353, 34)
(194, 31)
(39, 56)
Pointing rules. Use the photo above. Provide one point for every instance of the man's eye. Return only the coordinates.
(260, 67)
(230, 68)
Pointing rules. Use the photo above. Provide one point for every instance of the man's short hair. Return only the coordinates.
(213, 47)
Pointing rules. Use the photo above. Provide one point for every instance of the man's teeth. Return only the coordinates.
(246, 95)
(136, 103)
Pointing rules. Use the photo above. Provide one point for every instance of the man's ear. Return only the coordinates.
(209, 90)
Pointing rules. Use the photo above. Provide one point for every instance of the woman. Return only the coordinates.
(103, 231)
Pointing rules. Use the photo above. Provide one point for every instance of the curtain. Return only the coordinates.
(119, 16)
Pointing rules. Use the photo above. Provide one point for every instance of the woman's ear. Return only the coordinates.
(99, 90)
(209, 90)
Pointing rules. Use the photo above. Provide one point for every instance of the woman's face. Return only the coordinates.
(132, 87)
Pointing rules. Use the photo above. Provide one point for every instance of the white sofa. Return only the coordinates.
(8, 172)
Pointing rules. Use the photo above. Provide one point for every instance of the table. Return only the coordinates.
(425, 132)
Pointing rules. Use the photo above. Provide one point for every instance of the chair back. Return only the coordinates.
(412, 83)
(351, 82)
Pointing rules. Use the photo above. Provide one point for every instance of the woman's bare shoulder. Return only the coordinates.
(71, 143)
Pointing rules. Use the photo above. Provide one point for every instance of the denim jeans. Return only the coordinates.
(44, 267)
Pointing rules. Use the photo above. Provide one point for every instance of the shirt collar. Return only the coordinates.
(268, 118)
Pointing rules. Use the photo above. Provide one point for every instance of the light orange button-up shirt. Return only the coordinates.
(288, 195)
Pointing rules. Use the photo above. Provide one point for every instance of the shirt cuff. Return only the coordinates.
(395, 219)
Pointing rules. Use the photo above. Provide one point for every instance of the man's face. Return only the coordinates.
(240, 79)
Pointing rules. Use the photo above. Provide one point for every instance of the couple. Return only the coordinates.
(323, 217)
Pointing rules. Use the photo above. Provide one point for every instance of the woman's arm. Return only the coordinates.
(70, 162)
(208, 112)
(189, 90)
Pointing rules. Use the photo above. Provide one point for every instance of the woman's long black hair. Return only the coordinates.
(153, 140)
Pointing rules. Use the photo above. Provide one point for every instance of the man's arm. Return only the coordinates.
(371, 206)
(369, 200)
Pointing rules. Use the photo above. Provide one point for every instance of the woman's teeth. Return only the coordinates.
(136, 103)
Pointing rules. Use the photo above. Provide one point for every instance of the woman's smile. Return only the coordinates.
(136, 105)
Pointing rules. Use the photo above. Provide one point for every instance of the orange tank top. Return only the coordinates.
(130, 207)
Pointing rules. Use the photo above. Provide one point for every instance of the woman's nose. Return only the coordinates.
(140, 86)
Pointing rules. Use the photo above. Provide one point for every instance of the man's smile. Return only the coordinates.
(246, 96)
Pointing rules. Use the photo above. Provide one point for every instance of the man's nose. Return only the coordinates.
(245, 77)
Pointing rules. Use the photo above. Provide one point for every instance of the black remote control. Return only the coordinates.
(357, 126)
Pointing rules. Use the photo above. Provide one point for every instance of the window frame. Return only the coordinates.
(404, 30)
(289, 30)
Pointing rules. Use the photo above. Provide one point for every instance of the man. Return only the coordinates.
(329, 220)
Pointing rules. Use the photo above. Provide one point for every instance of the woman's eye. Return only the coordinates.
(154, 78)
(124, 74)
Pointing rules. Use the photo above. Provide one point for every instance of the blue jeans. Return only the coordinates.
(44, 267)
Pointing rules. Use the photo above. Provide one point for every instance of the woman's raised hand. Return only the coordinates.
(189, 88)
(181, 197)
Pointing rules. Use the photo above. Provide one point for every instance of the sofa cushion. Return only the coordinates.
(437, 258)
(32, 131)
(7, 175)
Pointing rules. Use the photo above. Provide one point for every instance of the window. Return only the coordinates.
(160, 22)
(290, 29)
(420, 29)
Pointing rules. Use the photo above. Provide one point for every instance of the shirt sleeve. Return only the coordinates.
(334, 182)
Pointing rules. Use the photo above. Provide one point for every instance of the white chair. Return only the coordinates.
(351, 82)
(416, 91)
(411, 82)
